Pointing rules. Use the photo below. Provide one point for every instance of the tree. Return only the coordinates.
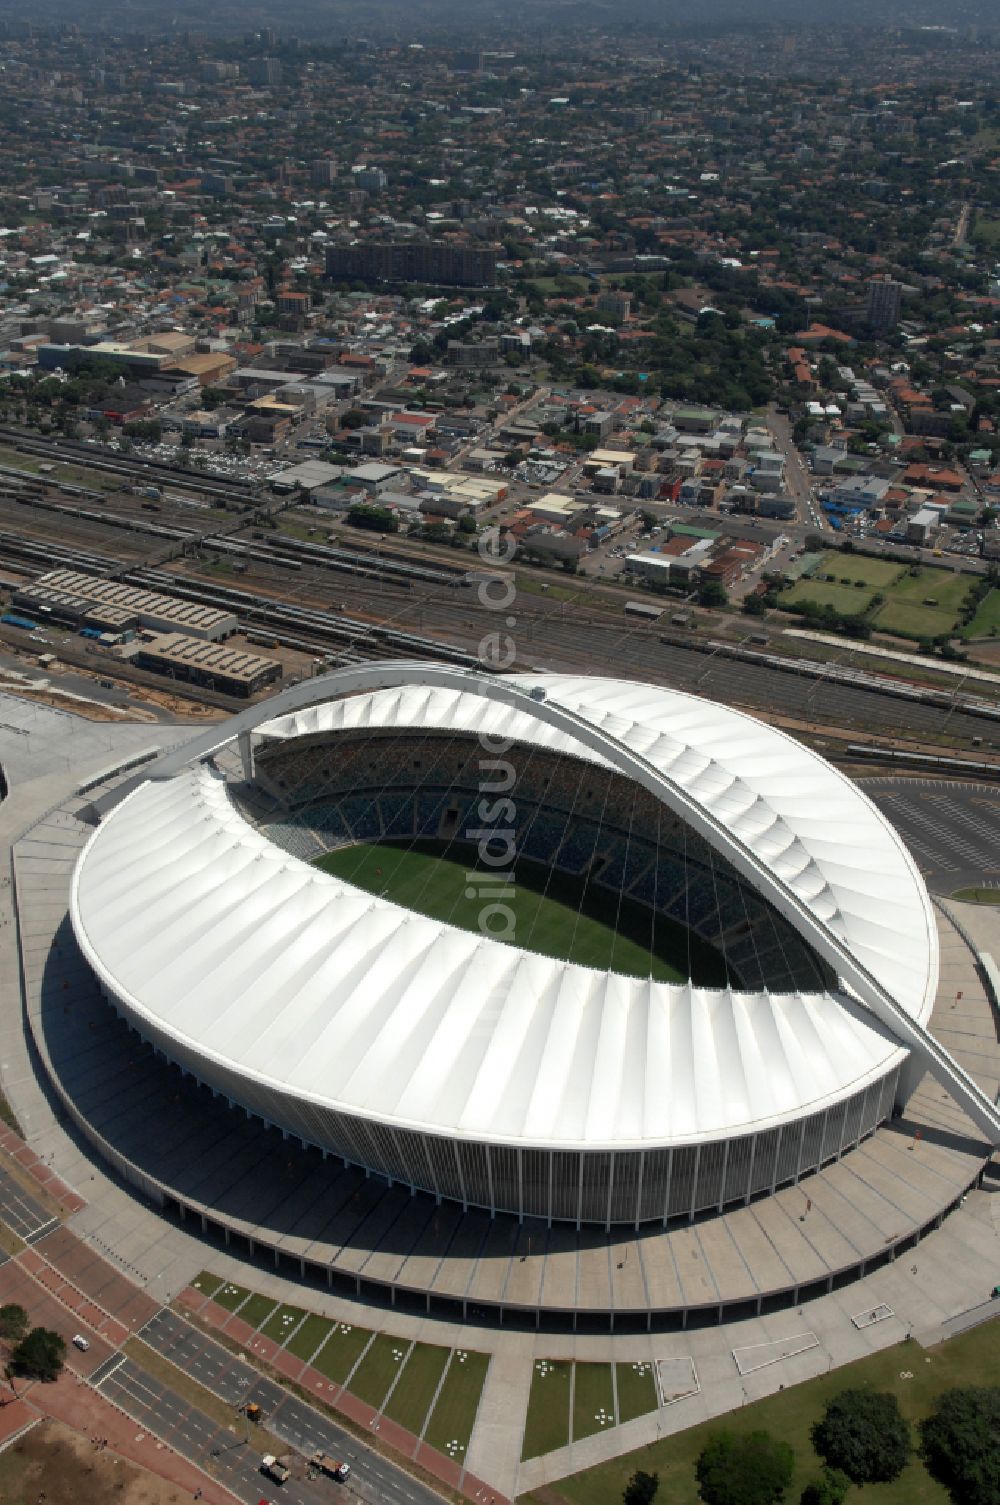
(863, 1433)
(13, 1322)
(713, 593)
(829, 1489)
(39, 1355)
(144, 428)
(641, 1488)
(961, 1444)
(751, 1470)
(378, 519)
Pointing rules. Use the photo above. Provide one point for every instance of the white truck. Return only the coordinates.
(274, 1468)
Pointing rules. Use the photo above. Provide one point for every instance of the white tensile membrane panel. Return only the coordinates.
(250, 965)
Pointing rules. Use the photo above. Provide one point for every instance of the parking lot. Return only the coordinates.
(952, 829)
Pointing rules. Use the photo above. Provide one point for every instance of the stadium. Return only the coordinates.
(569, 948)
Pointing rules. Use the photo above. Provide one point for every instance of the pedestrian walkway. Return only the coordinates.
(67, 1199)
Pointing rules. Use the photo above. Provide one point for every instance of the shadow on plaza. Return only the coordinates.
(160, 1129)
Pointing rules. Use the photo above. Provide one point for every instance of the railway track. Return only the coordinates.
(93, 457)
(805, 690)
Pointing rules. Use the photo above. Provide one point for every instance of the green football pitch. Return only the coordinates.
(552, 913)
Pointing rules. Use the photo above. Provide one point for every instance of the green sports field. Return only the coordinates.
(553, 913)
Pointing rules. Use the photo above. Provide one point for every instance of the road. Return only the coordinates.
(797, 478)
(22, 1213)
(53, 1277)
(298, 1425)
(114, 694)
(962, 225)
(225, 1453)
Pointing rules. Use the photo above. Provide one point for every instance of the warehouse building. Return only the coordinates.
(211, 665)
(74, 599)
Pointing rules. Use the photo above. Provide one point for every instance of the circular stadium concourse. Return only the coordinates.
(571, 948)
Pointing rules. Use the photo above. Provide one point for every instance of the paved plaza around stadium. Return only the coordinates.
(378, 1238)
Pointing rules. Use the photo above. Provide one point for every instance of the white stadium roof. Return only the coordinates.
(260, 965)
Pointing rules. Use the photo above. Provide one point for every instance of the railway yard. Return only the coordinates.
(310, 593)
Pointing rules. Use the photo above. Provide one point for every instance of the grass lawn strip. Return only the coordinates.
(207, 1283)
(35, 1190)
(341, 1351)
(282, 1323)
(913, 621)
(636, 1386)
(946, 589)
(848, 600)
(924, 604)
(9, 1241)
(879, 574)
(9, 1117)
(230, 1296)
(75, 475)
(971, 1358)
(450, 1425)
(986, 622)
(566, 283)
(593, 1400)
(306, 1340)
(987, 231)
(978, 895)
(378, 1369)
(547, 1425)
(411, 1399)
(257, 1309)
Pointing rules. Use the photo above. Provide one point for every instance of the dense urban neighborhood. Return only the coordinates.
(689, 322)
(499, 756)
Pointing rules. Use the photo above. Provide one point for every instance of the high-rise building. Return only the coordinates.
(264, 70)
(615, 305)
(434, 261)
(371, 179)
(884, 301)
(323, 172)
